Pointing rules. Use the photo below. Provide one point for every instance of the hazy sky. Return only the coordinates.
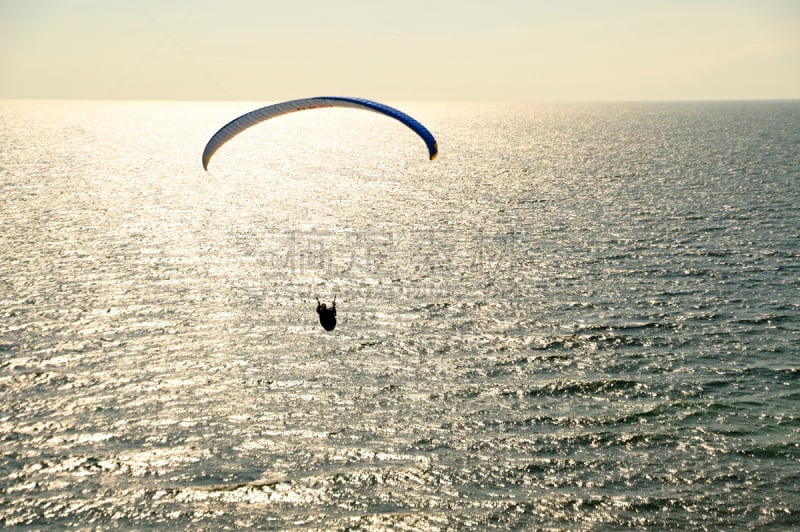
(401, 50)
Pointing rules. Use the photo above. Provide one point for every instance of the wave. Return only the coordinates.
(611, 387)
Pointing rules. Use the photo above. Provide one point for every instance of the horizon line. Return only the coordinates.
(421, 100)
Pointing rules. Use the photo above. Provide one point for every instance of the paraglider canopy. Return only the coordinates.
(252, 118)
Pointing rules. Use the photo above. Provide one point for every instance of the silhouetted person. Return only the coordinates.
(327, 316)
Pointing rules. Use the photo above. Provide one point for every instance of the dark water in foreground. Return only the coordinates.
(579, 317)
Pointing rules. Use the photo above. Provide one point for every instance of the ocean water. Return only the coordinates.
(579, 317)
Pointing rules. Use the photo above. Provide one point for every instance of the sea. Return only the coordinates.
(581, 316)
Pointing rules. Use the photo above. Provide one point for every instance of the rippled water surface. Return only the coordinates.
(578, 317)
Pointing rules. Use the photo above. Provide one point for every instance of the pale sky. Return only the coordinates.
(456, 50)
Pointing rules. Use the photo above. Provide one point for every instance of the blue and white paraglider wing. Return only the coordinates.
(252, 118)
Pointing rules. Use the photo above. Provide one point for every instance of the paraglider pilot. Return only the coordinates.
(327, 316)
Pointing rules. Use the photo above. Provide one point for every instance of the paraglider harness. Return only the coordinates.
(327, 316)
